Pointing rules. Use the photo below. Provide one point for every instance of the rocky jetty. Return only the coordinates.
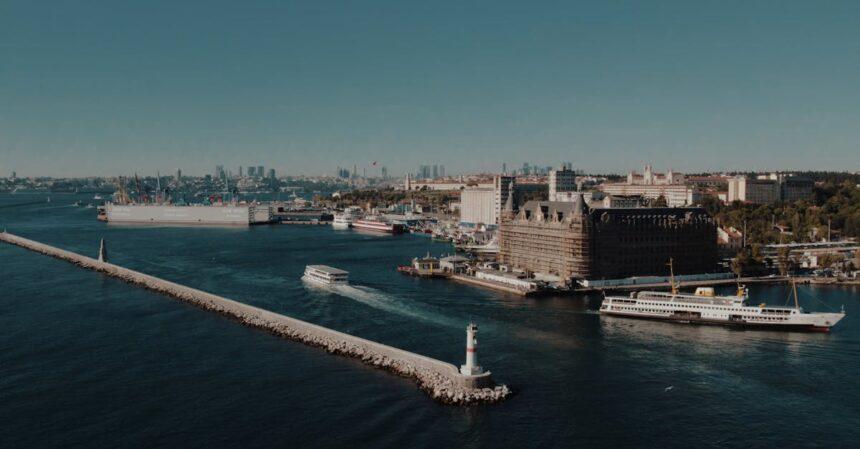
(441, 380)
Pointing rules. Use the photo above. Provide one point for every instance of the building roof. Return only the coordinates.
(328, 269)
(577, 208)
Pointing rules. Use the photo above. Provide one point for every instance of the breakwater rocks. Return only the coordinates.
(441, 380)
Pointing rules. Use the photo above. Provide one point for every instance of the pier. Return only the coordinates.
(441, 380)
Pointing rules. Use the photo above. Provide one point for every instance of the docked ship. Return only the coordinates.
(704, 307)
(377, 224)
(325, 275)
(186, 215)
(345, 219)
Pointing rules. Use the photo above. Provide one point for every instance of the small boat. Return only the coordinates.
(97, 196)
(325, 275)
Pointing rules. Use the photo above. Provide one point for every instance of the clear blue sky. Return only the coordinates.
(107, 87)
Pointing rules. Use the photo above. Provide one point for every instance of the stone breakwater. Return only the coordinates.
(441, 380)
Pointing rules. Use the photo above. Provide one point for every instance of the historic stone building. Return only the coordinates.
(570, 240)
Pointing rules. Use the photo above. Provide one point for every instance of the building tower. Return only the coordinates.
(103, 252)
(471, 367)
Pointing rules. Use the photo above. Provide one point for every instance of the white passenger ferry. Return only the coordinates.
(325, 275)
(704, 307)
(345, 219)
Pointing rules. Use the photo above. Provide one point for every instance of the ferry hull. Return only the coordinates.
(791, 327)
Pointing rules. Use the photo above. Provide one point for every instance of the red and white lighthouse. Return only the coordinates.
(471, 367)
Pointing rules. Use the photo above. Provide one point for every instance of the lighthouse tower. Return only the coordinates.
(471, 367)
(103, 252)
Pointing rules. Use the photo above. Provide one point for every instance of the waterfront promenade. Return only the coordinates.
(441, 380)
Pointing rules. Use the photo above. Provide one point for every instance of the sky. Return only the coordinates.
(108, 87)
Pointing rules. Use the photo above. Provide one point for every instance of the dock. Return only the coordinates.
(491, 285)
(441, 380)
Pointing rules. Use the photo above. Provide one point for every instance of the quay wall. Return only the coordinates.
(489, 284)
(441, 380)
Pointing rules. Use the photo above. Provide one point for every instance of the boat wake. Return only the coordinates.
(388, 303)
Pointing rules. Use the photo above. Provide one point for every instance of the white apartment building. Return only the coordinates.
(676, 195)
(478, 205)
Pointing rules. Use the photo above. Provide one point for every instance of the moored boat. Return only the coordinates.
(345, 219)
(704, 307)
(377, 224)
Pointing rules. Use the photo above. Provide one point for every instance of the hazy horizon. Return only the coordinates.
(104, 88)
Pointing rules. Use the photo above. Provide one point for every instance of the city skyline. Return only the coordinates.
(90, 90)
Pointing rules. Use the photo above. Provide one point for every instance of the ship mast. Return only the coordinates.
(672, 277)
(794, 290)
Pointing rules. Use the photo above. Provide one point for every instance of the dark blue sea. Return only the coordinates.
(87, 361)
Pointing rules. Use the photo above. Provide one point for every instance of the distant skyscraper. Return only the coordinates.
(240, 171)
(178, 175)
(260, 171)
(504, 168)
(14, 175)
(219, 169)
(271, 173)
(435, 171)
(384, 172)
(442, 171)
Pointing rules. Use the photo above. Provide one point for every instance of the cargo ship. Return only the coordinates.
(224, 215)
(377, 224)
(704, 307)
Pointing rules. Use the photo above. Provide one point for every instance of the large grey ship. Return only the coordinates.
(238, 215)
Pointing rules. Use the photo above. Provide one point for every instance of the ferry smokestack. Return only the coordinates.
(471, 367)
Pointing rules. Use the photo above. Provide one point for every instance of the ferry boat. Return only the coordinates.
(325, 275)
(377, 224)
(704, 307)
(346, 218)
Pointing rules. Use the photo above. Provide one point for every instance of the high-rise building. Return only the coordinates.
(271, 173)
(260, 171)
(384, 172)
(251, 171)
(442, 171)
(240, 171)
(435, 171)
(178, 175)
(504, 168)
(219, 171)
(562, 184)
(503, 187)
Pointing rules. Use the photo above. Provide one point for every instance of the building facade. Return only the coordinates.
(562, 183)
(478, 205)
(676, 195)
(572, 241)
(756, 191)
(503, 186)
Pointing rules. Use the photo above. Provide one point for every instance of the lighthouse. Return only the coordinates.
(103, 252)
(471, 367)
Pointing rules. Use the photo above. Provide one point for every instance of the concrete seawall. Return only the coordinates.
(441, 380)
